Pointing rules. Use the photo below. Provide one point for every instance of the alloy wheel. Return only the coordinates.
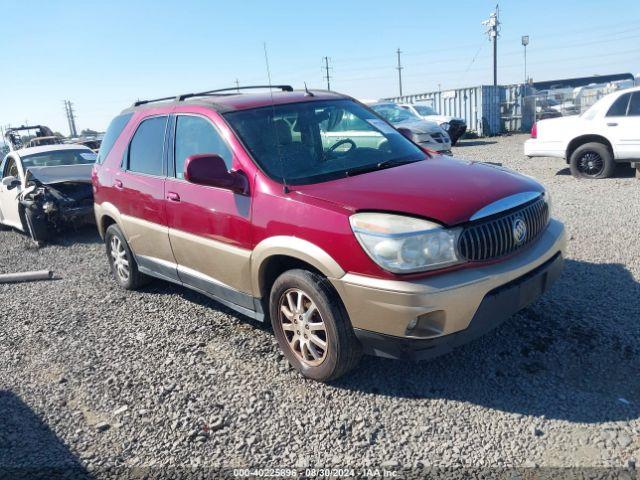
(591, 164)
(120, 259)
(303, 327)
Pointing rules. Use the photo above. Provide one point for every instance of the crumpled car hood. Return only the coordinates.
(419, 126)
(62, 173)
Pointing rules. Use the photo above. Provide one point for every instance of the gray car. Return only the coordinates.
(425, 133)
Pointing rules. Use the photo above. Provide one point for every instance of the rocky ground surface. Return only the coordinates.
(94, 377)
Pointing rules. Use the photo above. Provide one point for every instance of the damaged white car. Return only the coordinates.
(46, 189)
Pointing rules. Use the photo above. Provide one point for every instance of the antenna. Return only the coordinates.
(307, 92)
(273, 113)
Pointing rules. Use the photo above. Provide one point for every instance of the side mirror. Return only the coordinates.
(405, 132)
(10, 182)
(209, 169)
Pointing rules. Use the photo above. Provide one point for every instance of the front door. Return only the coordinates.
(209, 227)
(9, 213)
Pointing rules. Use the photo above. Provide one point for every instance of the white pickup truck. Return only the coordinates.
(593, 143)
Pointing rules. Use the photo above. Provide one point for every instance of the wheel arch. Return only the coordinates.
(273, 256)
(106, 214)
(582, 139)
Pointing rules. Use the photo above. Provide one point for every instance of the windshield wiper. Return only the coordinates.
(377, 166)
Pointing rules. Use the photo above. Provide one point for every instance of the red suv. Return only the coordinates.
(307, 209)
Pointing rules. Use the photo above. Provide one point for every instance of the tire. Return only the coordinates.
(121, 260)
(592, 160)
(305, 352)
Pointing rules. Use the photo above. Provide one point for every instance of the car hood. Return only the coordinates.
(447, 190)
(419, 126)
(62, 173)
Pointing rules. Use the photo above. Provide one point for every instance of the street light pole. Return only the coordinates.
(525, 42)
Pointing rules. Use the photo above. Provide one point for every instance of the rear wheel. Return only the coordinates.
(122, 262)
(312, 327)
(592, 160)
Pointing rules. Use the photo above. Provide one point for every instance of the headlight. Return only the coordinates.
(444, 126)
(405, 244)
(423, 138)
(547, 198)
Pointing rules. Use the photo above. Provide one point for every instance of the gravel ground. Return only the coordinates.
(92, 377)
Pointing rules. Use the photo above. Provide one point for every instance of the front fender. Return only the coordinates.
(292, 247)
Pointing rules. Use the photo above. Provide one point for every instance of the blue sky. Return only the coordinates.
(102, 55)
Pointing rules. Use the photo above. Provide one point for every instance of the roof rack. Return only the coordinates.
(184, 96)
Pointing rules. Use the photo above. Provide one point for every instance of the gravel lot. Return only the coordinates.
(94, 377)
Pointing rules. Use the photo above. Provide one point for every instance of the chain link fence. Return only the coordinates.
(522, 106)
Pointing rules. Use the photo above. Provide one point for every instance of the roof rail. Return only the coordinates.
(142, 102)
(284, 88)
(184, 96)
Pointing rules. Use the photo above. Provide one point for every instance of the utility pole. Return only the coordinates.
(525, 42)
(493, 24)
(326, 74)
(71, 119)
(399, 68)
(237, 85)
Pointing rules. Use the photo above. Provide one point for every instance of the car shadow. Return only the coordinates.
(621, 171)
(86, 235)
(473, 143)
(160, 287)
(572, 355)
(28, 447)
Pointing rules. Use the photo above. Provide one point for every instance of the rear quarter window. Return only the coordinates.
(113, 132)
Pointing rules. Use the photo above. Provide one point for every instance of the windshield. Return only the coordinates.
(394, 113)
(319, 141)
(425, 110)
(57, 158)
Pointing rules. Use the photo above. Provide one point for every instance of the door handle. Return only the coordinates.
(173, 197)
(612, 124)
(118, 184)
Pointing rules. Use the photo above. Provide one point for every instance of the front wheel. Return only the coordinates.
(311, 326)
(592, 160)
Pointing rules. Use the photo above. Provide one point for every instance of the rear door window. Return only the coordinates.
(634, 105)
(113, 132)
(619, 107)
(147, 147)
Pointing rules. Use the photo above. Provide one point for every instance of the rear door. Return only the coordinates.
(9, 214)
(142, 207)
(209, 227)
(622, 125)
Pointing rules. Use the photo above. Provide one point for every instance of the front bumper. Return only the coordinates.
(451, 308)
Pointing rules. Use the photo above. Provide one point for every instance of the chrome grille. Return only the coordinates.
(495, 237)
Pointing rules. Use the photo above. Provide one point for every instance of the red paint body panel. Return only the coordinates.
(445, 190)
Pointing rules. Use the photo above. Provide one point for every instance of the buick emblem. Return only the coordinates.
(519, 229)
